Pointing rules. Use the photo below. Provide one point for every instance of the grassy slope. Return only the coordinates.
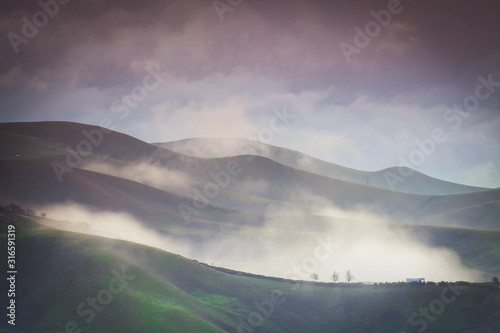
(58, 270)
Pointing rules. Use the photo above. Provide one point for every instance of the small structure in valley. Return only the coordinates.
(415, 280)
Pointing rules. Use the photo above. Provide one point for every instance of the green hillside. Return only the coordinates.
(61, 273)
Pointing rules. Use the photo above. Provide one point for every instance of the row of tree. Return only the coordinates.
(349, 277)
(335, 276)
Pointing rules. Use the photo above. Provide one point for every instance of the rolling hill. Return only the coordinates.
(258, 185)
(265, 200)
(416, 183)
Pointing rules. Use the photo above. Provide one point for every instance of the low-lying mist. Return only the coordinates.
(145, 172)
(373, 249)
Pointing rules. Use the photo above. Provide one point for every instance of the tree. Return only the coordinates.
(495, 279)
(335, 276)
(314, 276)
(43, 214)
(349, 276)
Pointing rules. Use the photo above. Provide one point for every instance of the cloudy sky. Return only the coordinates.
(367, 83)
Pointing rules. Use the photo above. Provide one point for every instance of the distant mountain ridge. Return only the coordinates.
(416, 183)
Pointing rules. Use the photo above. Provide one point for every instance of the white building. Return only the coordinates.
(415, 280)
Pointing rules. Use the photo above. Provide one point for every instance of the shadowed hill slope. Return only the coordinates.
(32, 182)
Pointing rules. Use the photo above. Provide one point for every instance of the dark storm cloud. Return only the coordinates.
(93, 43)
(264, 55)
